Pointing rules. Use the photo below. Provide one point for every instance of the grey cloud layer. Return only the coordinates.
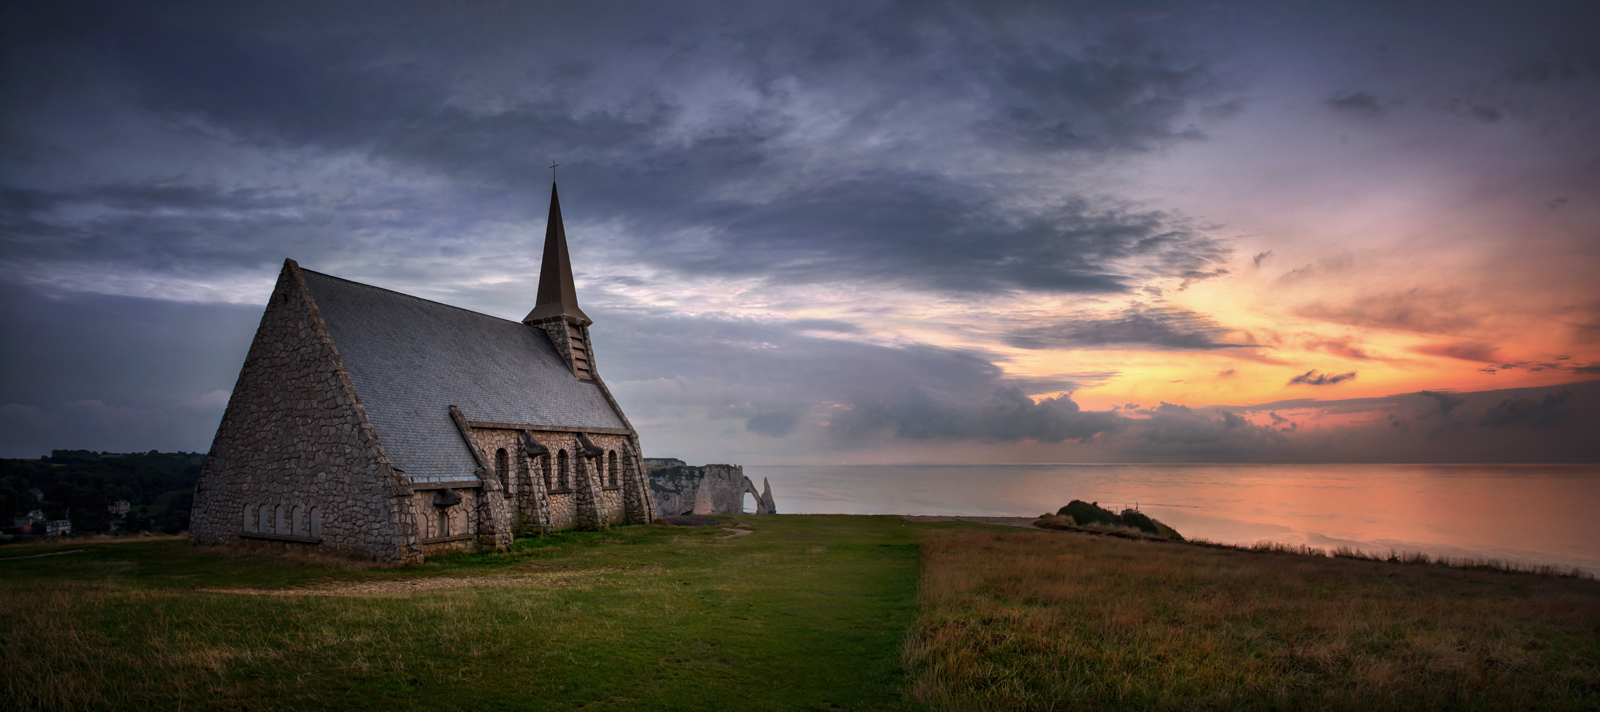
(695, 144)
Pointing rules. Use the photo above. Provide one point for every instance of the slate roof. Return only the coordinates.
(411, 359)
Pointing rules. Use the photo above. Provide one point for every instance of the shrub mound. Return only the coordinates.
(1081, 515)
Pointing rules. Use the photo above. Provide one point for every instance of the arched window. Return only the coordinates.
(444, 523)
(316, 522)
(502, 467)
(561, 469)
(611, 468)
(283, 519)
(297, 522)
(544, 469)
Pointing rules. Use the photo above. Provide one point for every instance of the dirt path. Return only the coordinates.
(554, 579)
(35, 556)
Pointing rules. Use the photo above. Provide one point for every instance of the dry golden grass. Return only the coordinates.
(1044, 621)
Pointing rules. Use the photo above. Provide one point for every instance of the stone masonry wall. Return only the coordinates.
(563, 510)
(539, 499)
(295, 462)
(461, 528)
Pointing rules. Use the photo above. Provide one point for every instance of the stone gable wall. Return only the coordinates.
(295, 443)
(556, 327)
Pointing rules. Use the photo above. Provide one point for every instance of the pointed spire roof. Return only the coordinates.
(557, 296)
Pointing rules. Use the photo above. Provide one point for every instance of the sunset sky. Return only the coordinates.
(823, 232)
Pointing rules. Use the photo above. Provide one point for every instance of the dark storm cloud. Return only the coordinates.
(1562, 364)
(1543, 71)
(937, 236)
(135, 352)
(1487, 114)
(403, 87)
(1005, 416)
(322, 94)
(774, 424)
(155, 225)
(1359, 103)
(115, 373)
(1544, 424)
(1119, 94)
(1447, 402)
(1176, 432)
(774, 376)
(1143, 327)
(1312, 378)
(1542, 412)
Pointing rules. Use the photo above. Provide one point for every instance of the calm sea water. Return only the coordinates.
(1543, 514)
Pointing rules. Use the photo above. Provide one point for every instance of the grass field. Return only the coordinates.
(1047, 621)
(804, 612)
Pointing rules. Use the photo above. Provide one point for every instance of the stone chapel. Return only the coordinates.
(374, 424)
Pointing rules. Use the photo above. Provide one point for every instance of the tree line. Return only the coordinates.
(83, 485)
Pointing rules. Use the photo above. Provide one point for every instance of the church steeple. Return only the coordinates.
(556, 311)
(557, 297)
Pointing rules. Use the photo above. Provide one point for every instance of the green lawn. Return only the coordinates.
(806, 612)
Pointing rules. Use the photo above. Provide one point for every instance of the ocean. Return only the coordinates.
(1531, 514)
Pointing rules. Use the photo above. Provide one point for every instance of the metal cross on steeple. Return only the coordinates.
(553, 165)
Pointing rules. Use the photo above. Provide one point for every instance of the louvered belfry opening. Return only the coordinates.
(581, 365)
